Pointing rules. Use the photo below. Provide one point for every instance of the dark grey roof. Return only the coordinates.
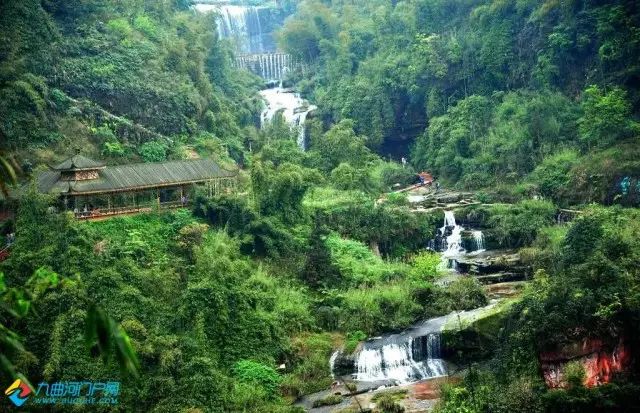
(135, 176)
(78, 163)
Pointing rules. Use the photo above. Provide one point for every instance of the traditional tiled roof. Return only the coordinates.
(138, 176)
(78, 163)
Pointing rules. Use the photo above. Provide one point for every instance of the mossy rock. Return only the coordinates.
(329, 400)
(475, 340)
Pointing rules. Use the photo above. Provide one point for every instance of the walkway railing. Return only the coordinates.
(100, 213)
(4, 254)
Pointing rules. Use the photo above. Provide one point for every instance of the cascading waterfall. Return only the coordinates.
(294, 109)
(269, 66)
(256, 51)
(411, 355)
(453, 242)
(404, 361)
(243, 25)
(478, 239)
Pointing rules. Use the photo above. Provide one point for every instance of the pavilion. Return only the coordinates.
(93, 190)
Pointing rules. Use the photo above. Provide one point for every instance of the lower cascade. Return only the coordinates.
(406, 361)
(294, 109)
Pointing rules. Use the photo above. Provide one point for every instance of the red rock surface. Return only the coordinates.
(430, 389)
(600, 363)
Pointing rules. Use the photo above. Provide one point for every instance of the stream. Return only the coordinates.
(415, 354)
(250, 30)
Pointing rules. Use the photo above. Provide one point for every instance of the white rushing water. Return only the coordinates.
(412, 355)
(402, 362)
(294, 109)
(269, 66)
(242, 25)
(478, 238)
(332, 362)
(454, 240)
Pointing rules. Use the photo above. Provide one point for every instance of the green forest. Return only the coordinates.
(304, 286)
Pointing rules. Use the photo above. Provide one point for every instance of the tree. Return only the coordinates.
(341, 144)
(319, 270)
(607, 117)
(279, 190)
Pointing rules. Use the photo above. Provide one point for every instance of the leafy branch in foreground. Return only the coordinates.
(7, 174)
(110, 339)
(101, 331)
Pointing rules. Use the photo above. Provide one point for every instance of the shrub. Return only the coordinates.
(352, 340)
(391, 173)
(329, 400)
(311, 369)
(518, 225)
(387, 404)
(574, 373)
(398, 199)
(424, 266)
(346, 177)
(376, 309)
(153, 151)
(113, 149)
(145, 25)
(465, 293)
(120, 27)
(394, 395)
(358, 265)
(258, 374)
(552, 175)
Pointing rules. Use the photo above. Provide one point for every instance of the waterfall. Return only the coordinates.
(294, 109)
(404, 361)
(411, 355)
(332, 362)
(302, 118)
(269, 66)
(248, 27)
(478, 238)
(453, 241)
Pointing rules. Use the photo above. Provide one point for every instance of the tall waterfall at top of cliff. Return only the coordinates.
(250, 28)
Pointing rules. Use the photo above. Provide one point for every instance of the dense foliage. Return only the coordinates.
(481, 92)
(146, 80)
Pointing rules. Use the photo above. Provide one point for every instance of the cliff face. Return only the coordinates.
(601, 361)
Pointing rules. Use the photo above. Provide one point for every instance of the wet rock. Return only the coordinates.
(504, 289)
(493, 262)
(344, 365)
(501, 277)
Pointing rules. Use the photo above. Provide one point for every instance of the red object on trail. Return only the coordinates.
(425, 178)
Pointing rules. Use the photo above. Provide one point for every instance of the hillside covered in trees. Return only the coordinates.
(509, 283)
(535, 95)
